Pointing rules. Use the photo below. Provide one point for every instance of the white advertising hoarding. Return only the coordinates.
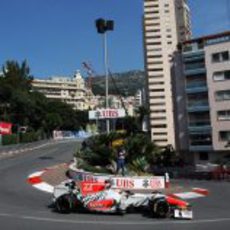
(127, 183)
(106, 113)
(144, 183)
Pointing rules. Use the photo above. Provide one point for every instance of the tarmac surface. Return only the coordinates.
(24, 207)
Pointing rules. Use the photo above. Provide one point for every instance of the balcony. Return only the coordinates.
(200, 143)
(196, 87)
(191, 52)
(198, 106)
(189, 57)
(202, 126)
(189, 72)
(200, 148)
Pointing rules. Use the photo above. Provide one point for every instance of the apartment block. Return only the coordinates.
(206, 66)
(69, 90)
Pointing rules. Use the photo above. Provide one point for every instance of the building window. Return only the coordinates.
(154, 43)
(157, 83)
(161, 140)
(221, 75)
(160, 134)
(155, 69)
(157, 104)
(223, 115)
(157, 118)
(158, 97)
(222, 95)
(159, 126)
(155, 50)
(157, 90)
(155, 37)
(224, 135)
(157, 76)
(220, 57)
(203, 156)
(159, 111)
(155, 56)
(155, 62)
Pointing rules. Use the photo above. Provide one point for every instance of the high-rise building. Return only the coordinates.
(166, 24)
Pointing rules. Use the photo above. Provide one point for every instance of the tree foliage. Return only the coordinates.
(98, 152)
(22, 106)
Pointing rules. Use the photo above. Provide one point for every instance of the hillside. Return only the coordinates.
(126, 83)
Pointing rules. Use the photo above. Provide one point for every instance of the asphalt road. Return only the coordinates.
(23, 207)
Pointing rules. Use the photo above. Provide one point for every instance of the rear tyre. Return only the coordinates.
(63, 204)
(160, 208)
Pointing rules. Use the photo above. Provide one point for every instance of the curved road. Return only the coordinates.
(24, 207)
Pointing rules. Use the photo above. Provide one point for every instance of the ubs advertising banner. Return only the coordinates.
(5, 128)
(127, 183)
(106, 113)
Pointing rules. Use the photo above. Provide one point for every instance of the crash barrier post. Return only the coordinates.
(167, 184)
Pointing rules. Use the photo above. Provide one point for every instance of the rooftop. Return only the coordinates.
(213, 37)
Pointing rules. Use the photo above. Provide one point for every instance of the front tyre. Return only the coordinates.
(160, 208)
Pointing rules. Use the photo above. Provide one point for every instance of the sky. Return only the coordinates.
(57, 36)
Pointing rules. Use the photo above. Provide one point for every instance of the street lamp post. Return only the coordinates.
(102, 26)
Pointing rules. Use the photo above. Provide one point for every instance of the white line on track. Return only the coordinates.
(34, 218)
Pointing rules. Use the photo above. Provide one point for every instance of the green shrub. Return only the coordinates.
(21, 138)
(29, 137)
(9, 139)
(98, 155)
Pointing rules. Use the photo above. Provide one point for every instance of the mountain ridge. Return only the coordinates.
(124, 83)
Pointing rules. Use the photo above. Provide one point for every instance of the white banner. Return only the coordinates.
(106, 113)
(127, 183)
(143, 183)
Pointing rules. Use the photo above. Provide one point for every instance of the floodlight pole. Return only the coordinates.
(106, 79)
(103, 26)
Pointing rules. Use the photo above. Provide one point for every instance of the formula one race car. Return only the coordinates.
(100, 197)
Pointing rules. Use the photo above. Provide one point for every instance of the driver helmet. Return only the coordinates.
(108, 184)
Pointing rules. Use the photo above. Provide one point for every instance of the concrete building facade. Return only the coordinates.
(166, 23)
(69, 90)
(206, 66)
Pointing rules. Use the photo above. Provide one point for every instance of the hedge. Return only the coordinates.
(21, 138)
